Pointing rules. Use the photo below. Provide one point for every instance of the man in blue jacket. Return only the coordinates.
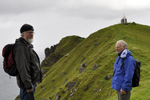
(124, 67)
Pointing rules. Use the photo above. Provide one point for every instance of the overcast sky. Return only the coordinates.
(55, 19)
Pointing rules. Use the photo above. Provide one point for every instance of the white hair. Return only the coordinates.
(123, 43)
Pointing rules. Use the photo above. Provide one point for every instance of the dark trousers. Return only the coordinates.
(123, 96)
(24, 95)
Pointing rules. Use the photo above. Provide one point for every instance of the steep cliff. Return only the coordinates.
(86, 72)
(54, 53)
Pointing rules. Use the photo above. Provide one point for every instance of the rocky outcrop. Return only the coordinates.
(108, 77)
(95, 66)
(57, 97)
(55, 52)
(81, 69)
(52, 59)
(51, 50)
(70, 85)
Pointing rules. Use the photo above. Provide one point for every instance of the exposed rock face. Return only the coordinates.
(47, 52)
(108, 77)
(51, 50)
(57, 97)
(81, 69)
(55, 52)
(50, 98)
(84, 65)
(52, 59)
(70, 85)
(95, 66)
(72, 92)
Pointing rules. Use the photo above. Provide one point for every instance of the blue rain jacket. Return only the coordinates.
(122, 77)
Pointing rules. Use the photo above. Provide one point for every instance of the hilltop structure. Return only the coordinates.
(124, 20)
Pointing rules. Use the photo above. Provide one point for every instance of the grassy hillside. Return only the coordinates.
(64, 80)
(62, 48)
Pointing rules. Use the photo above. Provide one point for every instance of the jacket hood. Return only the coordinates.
(125, 53)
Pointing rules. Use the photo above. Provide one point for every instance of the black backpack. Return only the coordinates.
(136, 76)
(9, 64)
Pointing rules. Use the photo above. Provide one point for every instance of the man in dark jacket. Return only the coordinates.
(123, 71)
(28, 63)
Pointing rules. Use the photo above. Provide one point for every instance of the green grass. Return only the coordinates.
(63, 47)
(98, 48)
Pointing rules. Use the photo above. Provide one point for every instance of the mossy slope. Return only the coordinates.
(62, 48)
(99, 49)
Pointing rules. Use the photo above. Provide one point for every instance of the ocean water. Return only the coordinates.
(8, 86)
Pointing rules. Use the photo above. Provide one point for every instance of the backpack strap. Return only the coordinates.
(122, 63)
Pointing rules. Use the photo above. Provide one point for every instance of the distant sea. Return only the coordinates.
(8, 86)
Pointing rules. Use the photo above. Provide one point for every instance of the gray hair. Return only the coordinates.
(21, 34)
(123, 43)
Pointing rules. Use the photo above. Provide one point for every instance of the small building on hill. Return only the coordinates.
(124, 20)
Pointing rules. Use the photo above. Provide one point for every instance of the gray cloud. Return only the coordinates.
(54, 19)
(8, 7)
(98, 12)
(86, 9)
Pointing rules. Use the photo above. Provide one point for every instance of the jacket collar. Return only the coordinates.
(124, 53)
(22, 40)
